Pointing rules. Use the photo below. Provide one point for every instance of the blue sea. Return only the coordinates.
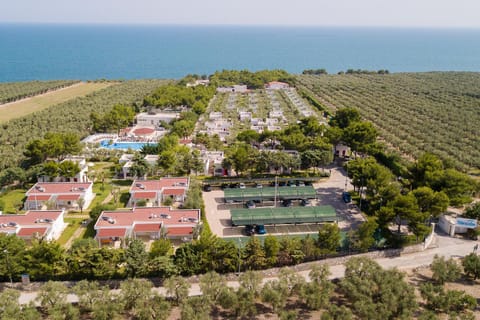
(43, 52)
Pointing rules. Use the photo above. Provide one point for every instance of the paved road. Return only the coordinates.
(443, 246)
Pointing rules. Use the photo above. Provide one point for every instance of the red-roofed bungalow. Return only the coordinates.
(146, 223)
(154, 192)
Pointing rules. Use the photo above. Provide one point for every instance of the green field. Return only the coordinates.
(434, 112)
(12, 200)
(70, 116)
(37, 103)
(12, 91)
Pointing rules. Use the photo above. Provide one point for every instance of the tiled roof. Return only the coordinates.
(145, 195)
(145, 215)
(174, 192)
(68, 197)
(58, 187)
(143, 131)
(180, 231)
(158, 185)
(147, 227)
(31, 217)
(29, 232)
(107, 233)
(39, 197)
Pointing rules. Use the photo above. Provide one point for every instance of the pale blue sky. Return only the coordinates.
(397, 13)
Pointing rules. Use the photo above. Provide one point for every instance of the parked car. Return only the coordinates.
(242, 185)
(260, 229)
(287, 203)
(258, 185)
(291, 184)
(346, 197)
(207, 188)
(301, 184)
(305, 202)
(250, 204)
(249, 230)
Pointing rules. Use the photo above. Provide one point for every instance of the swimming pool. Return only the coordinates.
(124, 145)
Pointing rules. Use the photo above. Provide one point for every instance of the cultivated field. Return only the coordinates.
(438, 112)
(26, 106)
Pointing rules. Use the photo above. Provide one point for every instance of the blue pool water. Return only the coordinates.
(123, 145)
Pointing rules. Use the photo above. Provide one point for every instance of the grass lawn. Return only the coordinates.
(73, 225)
(101, 193)
(12, 200)
(37, 103)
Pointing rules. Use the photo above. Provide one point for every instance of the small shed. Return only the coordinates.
(452, 225)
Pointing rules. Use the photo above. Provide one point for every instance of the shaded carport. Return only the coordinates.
(289, 215)
(269, 193)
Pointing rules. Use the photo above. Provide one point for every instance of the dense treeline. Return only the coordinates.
(367, 291)
(253, 80)
(44, 260)
(72, 116)
(392, 193)
(267, 151)
(14, 91)
(177, 96)
(414, 112)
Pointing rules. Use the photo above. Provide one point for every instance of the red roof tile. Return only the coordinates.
(108, 233)
(180, 231)
(144, 227)
(58, 187)
(126, 218)
(39, 197)
(143, 131)
(174, 192)
(144, 195)
(29, 232)
(31, 217)
(68, 197)
(158, 185)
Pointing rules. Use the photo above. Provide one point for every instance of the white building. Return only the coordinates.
(61, 195)
(156, 119)
(46, 225)
(213, 162)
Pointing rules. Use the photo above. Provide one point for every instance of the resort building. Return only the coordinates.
(154, 192)
(59, 195)
(113, 227)
(156, 119)
(46, 225)
(213, 163)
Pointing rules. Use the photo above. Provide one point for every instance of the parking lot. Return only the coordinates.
(329, 192)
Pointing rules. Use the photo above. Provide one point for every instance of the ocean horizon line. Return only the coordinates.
(247, 26)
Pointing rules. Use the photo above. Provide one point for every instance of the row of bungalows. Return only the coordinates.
(59, 195)
(154, 192)
(34, 224)
(146, 223)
